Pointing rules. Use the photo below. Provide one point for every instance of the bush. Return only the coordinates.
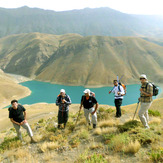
(128, 125)
(155, 113)
(95, 158)
(157, 156)
(10, 143)
(132, 147)
(118, 142)
(143, 136)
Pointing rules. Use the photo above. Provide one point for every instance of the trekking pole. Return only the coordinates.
(77, 119)
(136, 110)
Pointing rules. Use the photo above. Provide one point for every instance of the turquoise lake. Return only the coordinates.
(47, 92)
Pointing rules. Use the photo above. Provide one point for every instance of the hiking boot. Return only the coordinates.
(59, 126)
(94, 125)
(89, 123)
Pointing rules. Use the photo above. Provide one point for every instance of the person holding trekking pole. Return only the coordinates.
(146, 93)
(18, 116)
(119, 93)
(63, 101)
(88, 101)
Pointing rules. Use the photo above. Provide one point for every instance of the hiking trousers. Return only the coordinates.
(25, 126)
(143, 113)
(118, 103)
(63, 117)
(87, 116)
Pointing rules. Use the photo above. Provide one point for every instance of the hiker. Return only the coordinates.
(146, 93)
(18, 115)
(119, 93)
(88, 102)
(63, 101)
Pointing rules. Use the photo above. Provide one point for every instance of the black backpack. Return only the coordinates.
(155, 89)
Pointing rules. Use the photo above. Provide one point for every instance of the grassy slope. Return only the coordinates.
(76, 60)
(10, 90)
(62, 146)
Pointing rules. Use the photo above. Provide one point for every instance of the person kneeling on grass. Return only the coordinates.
(88, 102)
(63, 101)
(17, 115)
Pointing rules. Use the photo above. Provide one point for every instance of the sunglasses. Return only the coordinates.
(142, 78)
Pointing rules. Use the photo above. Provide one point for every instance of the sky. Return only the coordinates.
(145, 7)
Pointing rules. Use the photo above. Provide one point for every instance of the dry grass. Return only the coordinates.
(48, 156)
(132, 147)
(96, 145)
(101, 131)
(108, 123)
(155, 120)
(48, 146)
(82, 121)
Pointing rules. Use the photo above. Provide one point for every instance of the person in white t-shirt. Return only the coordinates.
(118, 96)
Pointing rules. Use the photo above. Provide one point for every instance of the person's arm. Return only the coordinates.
(81, 104)
(149, 93)
(68, 102)
(96, 106)
(58, 101)
(11, 119)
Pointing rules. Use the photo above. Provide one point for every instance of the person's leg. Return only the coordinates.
(143, 109)
(17, 128)
(146, 116)
(59, 119)
(29, 131)
(65, 118)
(119, 103)
(117, 107)
(94, 117)
(86, 114)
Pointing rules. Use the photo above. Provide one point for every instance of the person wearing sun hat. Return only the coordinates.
(146, 92)
(88, 101)
(63, 101)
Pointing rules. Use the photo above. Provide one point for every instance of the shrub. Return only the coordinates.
(84, 134)
(106, 123)
(94, 158)
(10, 143)
(118, 142)
(144, 136)
(132, 147)
(128, 125)
(109, 110)
(74, 142)
(155, 113)
(157, 156)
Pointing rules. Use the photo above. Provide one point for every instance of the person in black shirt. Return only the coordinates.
(17, 115)
(88, 103)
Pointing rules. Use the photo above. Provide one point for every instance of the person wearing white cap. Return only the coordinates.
(63, 101)
(146, 92)
(88, 101)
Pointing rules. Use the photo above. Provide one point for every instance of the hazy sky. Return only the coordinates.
(126, 6)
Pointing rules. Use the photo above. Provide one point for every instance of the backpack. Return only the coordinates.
(124, 87)
(155, 89)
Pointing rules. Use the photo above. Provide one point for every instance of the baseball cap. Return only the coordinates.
(62, 90)
(87, 91)
(143, 76)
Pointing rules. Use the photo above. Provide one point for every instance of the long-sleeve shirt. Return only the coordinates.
(116, 90)
(63, 106)
(148, 88)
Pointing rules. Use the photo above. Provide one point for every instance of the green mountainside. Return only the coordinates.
(77, 60)
(99, 21)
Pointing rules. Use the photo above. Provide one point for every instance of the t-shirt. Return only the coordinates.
(88, 103)
(17, 114)
(116, 90)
